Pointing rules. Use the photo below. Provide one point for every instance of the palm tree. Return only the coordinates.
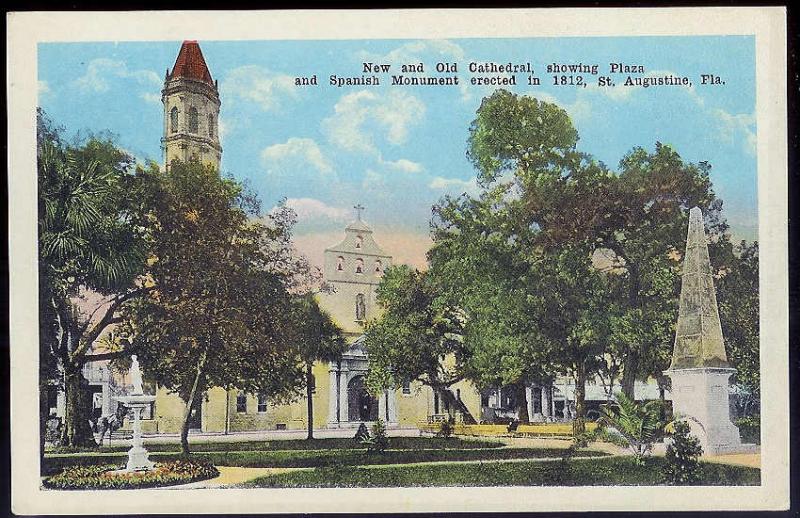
(88, 239)
(640, 425)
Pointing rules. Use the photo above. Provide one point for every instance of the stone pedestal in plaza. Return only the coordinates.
(701, 397)
(137, 456)
(700, 371)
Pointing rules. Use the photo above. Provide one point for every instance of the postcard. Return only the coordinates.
(399, 260)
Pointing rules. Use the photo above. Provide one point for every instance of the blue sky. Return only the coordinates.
(397, 150)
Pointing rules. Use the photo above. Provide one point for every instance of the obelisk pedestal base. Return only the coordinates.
(700, 397)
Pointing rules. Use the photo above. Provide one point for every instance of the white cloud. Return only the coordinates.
(731, 127)
(404, 165)
(578, 110)
(305, 149)
(414, 51)
(44, 89)
(469, 186)
(151, 98)
(99, 70)
(428, 52)
(394, 113)
(258, 85)
(373, 181)
(312, 209)
(224, 126)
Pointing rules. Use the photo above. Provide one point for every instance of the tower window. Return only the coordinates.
(359, 266)
(339, 264)
(194, 123)
(359, 241)
(210, 125)
(378, 267)
(173, 119)
(262, 403)
(241, 402)
(361, 308)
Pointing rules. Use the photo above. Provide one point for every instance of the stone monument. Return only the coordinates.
(137, 401)
(700, 369)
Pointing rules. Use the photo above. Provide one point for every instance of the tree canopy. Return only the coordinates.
(91, 239)
(218, 314)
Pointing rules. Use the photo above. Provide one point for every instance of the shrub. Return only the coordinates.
(682, 466)
(181, 471)
(362, 434)
(379, 440)
(639, 424)
(750, 429)
(445, 429)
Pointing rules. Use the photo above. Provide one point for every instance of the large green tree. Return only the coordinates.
(414, 335)
(737, 297)
(91, 242)
(218, 314)
(637, 216)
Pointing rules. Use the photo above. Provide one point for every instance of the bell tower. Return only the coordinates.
(191, 110)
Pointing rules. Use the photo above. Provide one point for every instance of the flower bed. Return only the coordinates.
(171, 473)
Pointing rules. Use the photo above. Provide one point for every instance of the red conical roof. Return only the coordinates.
(190, 63)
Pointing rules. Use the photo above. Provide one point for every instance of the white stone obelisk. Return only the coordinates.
(700, 371)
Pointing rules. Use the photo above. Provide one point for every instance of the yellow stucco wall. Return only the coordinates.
(219, 406)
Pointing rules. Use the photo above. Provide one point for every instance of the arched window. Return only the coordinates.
(378, 267)
(339, 263)
(359, 241)
(194, 123)
(262, 403)
(241, 402)
(359, 266)
(173, 119)
(210, 125)
(361, 309)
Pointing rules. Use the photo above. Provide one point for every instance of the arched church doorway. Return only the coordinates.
(361, 406)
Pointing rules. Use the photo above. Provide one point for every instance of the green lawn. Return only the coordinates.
(580, 472)
(317, 458)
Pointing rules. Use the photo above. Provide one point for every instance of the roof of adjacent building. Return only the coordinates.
(190, 63)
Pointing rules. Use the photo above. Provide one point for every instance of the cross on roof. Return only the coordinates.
(358, 208)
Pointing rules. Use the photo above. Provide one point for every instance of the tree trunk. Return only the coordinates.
(579, 423)
(629, 374)
(77, 431)
(193, 394)
(310, 400)
(43, 415)
(631, 365)
(522, 404)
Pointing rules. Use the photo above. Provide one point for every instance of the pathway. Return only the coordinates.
(751, 460)
(231, 476)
